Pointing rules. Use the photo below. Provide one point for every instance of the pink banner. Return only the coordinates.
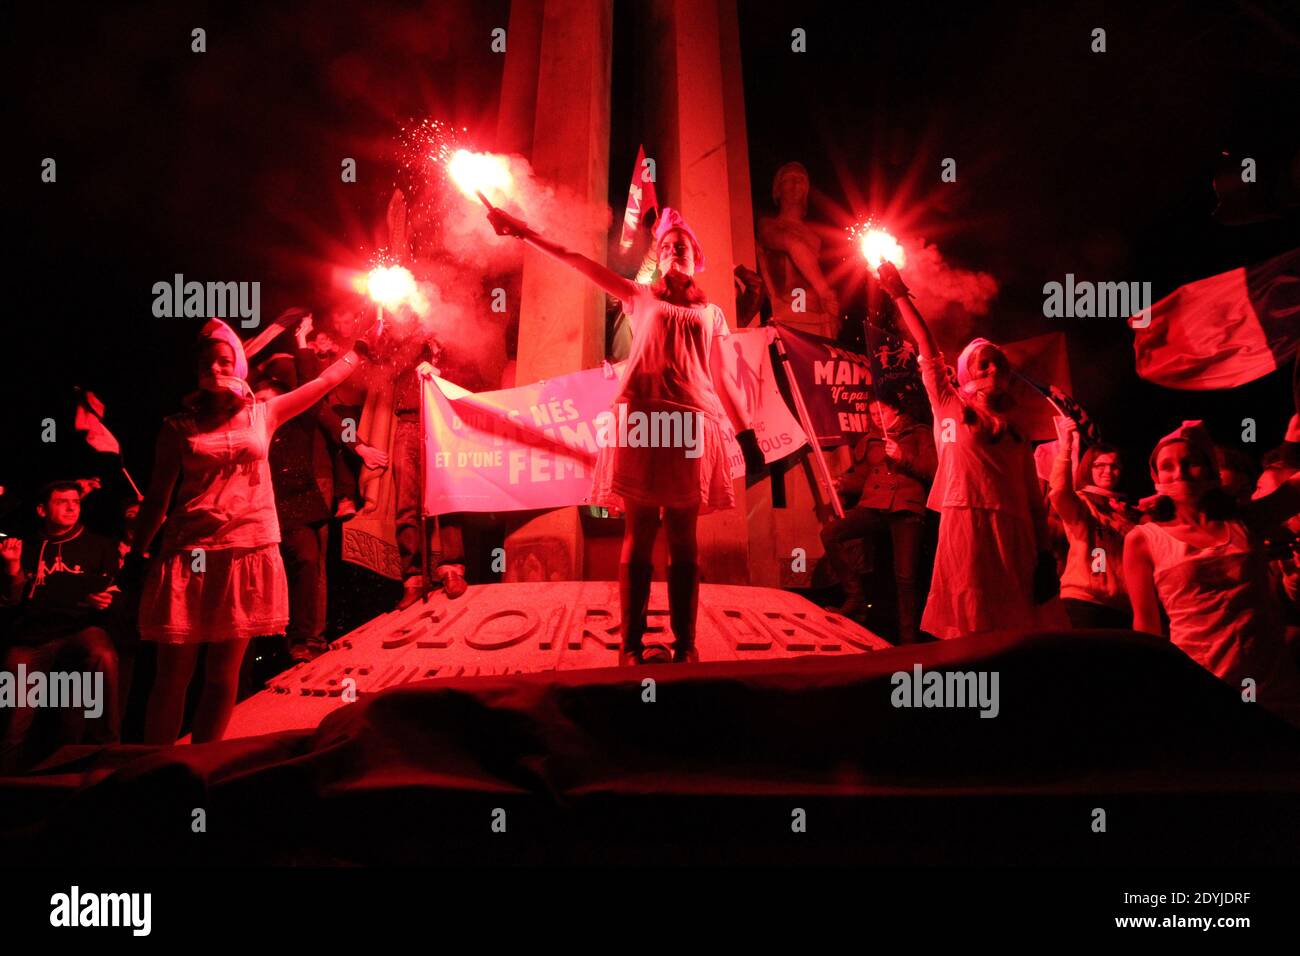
(535, 446)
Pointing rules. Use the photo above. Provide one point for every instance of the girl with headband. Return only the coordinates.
(673, 367)
(1201, 560)
(217, 580)
(994, 568)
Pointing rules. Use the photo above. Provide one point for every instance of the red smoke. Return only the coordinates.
(459, 261)
(950, 298)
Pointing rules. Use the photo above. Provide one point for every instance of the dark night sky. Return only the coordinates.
(225, 164)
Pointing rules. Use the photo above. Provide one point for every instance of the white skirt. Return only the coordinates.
(240, 593)
(665, 477)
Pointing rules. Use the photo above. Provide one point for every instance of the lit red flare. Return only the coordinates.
(480, 175)
(877, 245)
(391, 286)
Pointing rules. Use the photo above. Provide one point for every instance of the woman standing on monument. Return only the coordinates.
(993, 568)
(673, 367)
(217, 579)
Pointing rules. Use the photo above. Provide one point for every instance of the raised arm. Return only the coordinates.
(286, 406)
(893, 285)
(1065, 500)
(162, 482)
(613, 283)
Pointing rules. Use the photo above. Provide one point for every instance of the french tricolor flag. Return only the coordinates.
(1224, 331)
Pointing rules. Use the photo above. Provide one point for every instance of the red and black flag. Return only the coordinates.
(641, 202)
(89, 418)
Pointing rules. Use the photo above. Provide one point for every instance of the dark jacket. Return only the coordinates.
(56, 576)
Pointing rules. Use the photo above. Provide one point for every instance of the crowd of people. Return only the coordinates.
(229, 542)
(1210, 560)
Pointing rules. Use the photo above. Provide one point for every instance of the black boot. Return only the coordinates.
(855, 595)
(908, 618)
(855, 599)
(633, 598)
(683, 603)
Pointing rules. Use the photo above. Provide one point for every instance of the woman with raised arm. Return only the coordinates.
(994, 568)
(1096, 518)
(1201, 559)
(675, 368)
(217, 579)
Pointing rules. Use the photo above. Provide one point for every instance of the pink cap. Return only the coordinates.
(671, 219)
(963, 360)
(1197, 439)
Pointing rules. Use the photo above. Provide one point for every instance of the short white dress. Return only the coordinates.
(669, 370)
(984, 564)
(219, 575)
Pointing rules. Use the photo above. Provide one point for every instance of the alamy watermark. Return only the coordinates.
(209, 300)
(1098, 300)
(73, 690)
(946, 689)
(75, 908)
(657, 429)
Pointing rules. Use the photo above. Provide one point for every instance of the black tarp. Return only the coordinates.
(715, 769)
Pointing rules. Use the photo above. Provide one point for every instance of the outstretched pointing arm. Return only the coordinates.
(613, 283)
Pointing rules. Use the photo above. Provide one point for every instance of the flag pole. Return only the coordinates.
(134, 486)
(805, 420)
(424, 520)
(89, 406)
(1050, 399)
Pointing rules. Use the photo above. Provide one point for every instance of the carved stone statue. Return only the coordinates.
(788, 249)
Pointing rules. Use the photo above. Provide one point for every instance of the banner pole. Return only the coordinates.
(424, 487)
(805, 420)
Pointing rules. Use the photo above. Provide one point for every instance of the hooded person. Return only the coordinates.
(218, 381)
(993, 569)
(217, 579)
(1201, 559)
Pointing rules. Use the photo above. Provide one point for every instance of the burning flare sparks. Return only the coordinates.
(392, 286)
(877, 245)
(475, 173)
